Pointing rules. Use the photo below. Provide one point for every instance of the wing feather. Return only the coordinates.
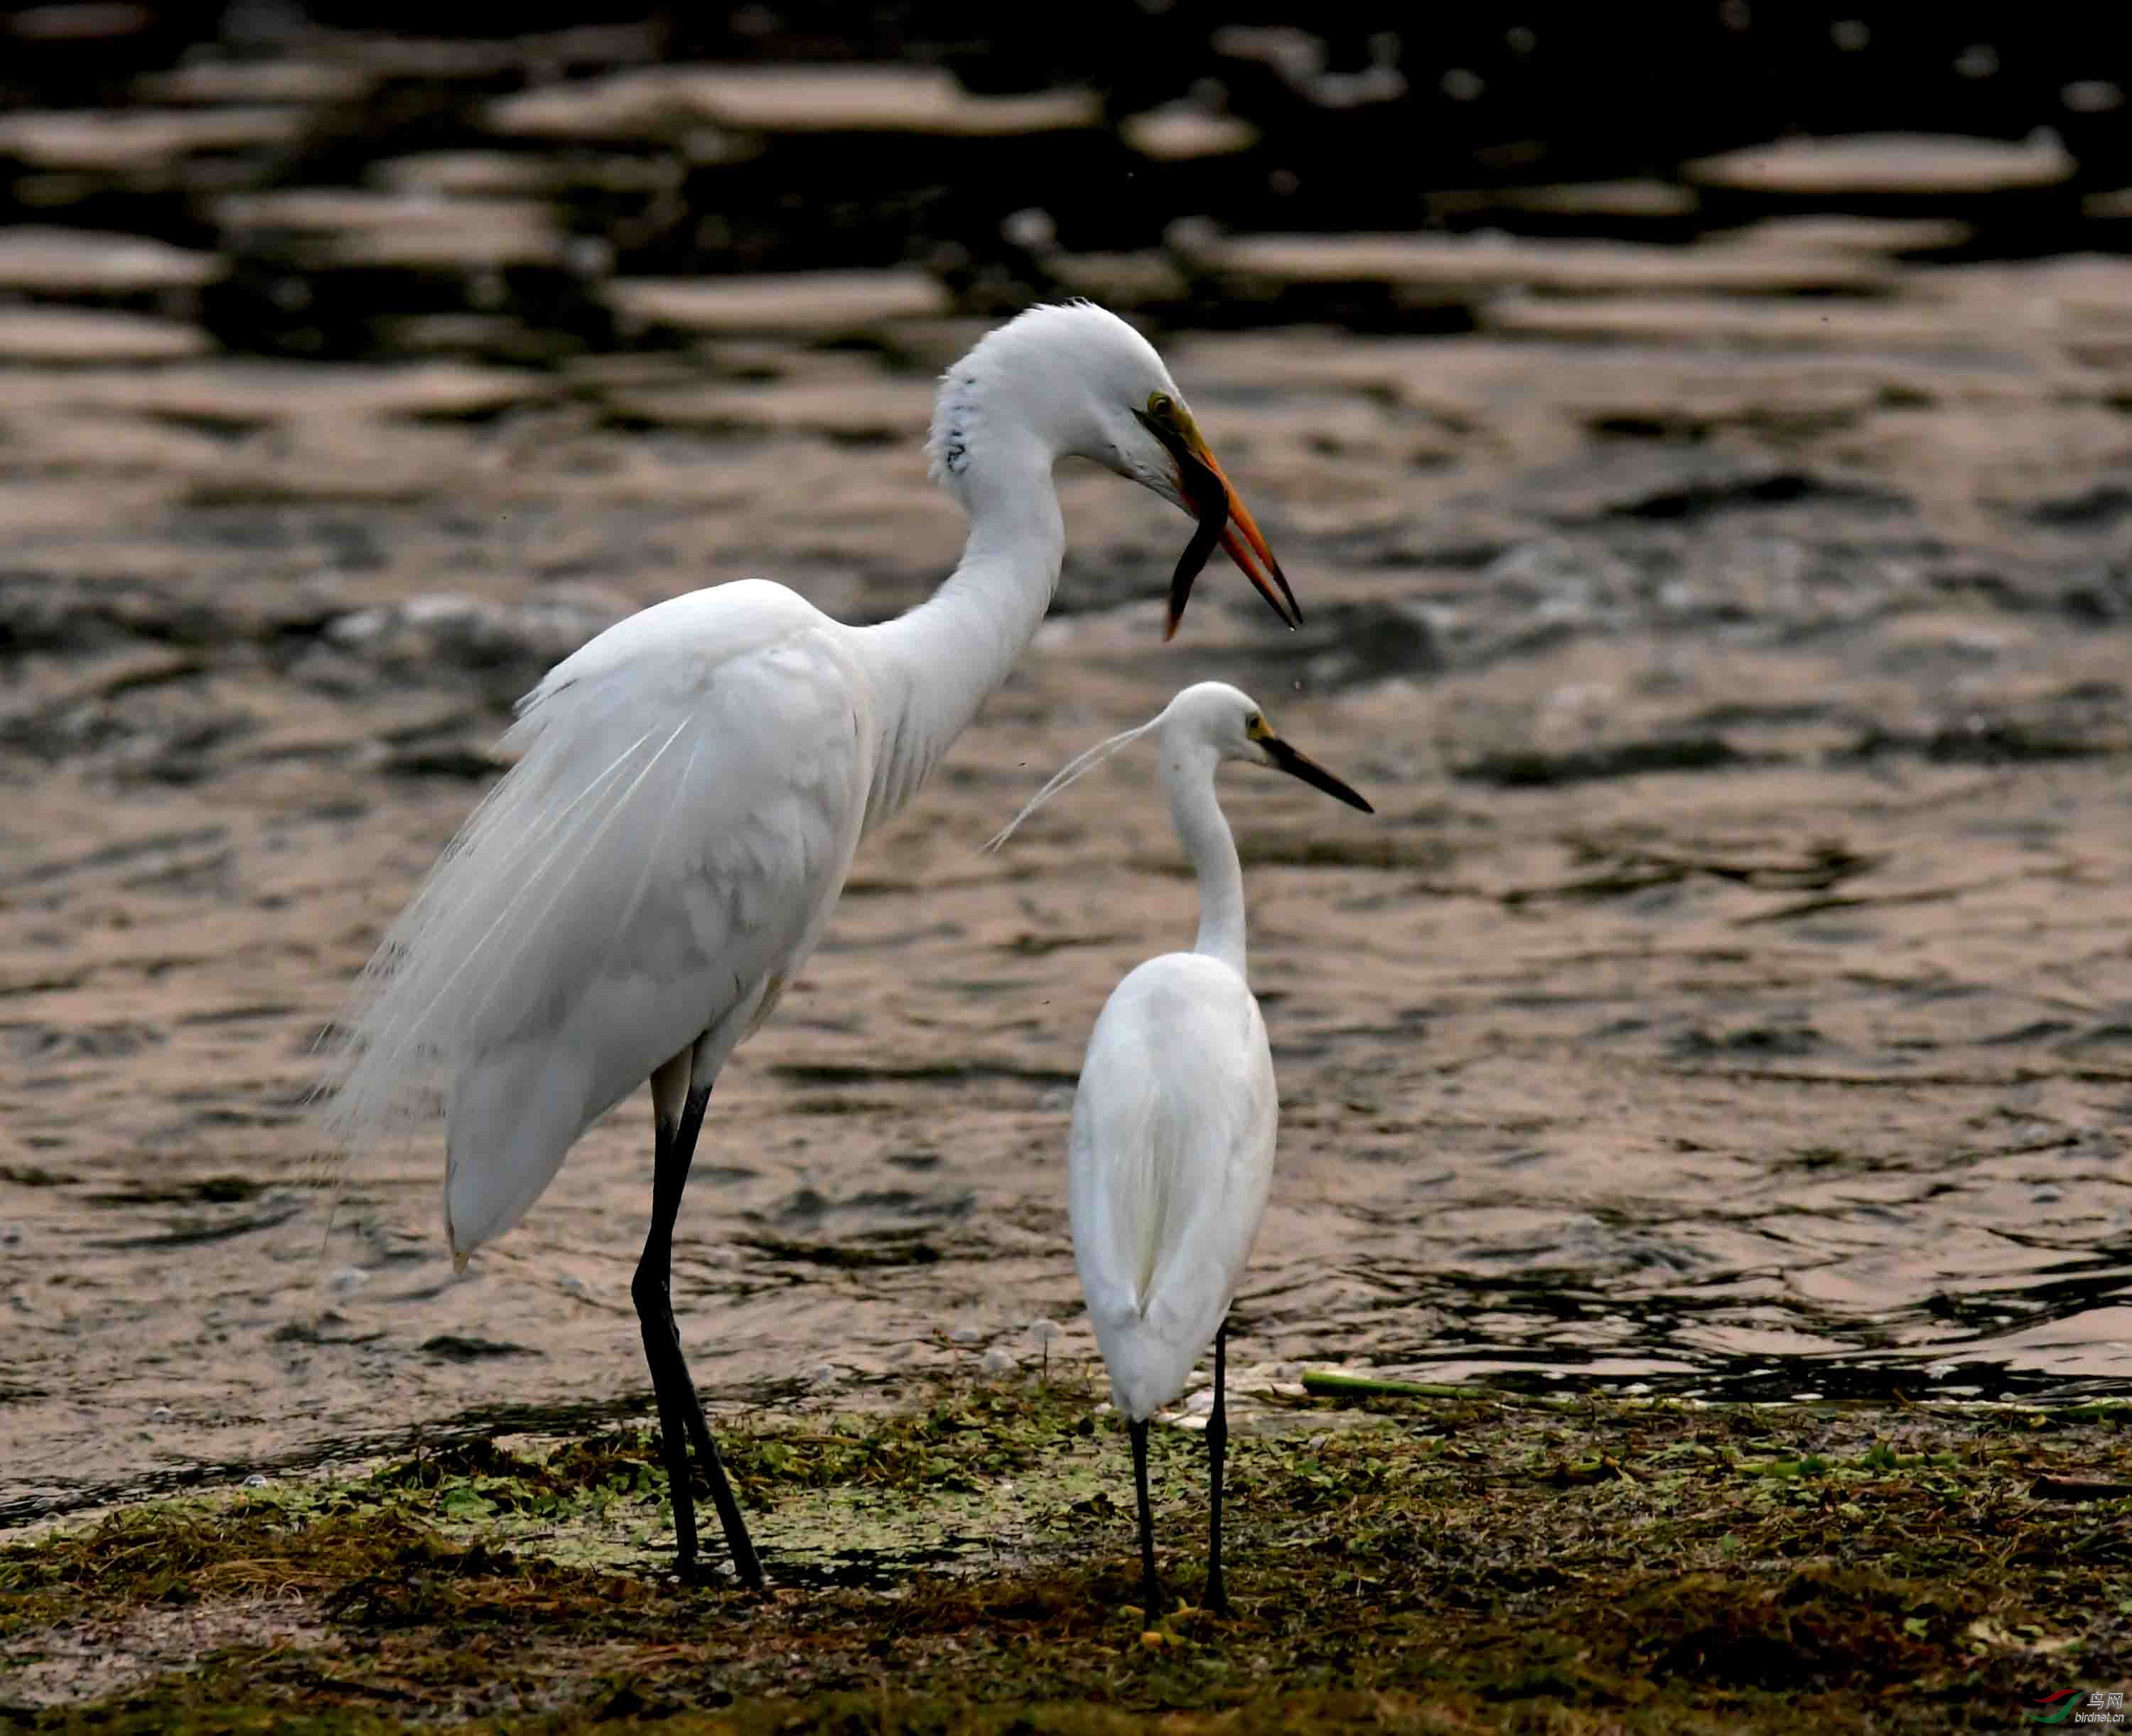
(670, 842)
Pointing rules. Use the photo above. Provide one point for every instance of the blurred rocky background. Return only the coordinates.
(273, 178)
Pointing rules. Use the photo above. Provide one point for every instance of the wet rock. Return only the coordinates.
(773, 100)
(1837, 232)
(818, 304)
(362, 229)
(1532, 769)
(473, 174)
(1916, 166)
(215, 82)
(1475, 265)
(75, 337)
(1991, 740)
(860, 412)
(47, 261)
(140, 138)
(2099, 508)
(1757, 1039)
(1702, 499)
(1610, 203)
(1762, 321)
(458, 1347)
(1177, 134)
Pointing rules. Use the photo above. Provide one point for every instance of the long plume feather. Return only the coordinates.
(1073, 772)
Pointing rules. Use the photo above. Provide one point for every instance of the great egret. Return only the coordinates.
(1171, 1150)
(633, 897)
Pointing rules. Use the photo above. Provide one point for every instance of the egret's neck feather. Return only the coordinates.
(936, 665)
(1188, 781)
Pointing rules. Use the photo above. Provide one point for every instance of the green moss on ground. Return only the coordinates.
(967, 1563)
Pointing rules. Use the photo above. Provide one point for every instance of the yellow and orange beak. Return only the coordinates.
(1224, 519)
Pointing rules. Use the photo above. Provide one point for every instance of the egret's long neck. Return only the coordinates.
(1190, 783)
(935, 666)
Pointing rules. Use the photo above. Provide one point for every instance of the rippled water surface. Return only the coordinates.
(1733, 995)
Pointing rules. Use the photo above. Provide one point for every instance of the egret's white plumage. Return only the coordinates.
(1170, 1155)
(1169, 1159)
(636, 894)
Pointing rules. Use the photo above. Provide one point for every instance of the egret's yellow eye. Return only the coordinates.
(1162, 405)
(1255, 726)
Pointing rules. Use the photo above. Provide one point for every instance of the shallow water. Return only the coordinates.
(1732, 996)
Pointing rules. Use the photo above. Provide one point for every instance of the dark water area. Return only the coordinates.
(1700, 446)
(1563, 122)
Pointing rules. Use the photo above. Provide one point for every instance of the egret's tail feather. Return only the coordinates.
(519, 909)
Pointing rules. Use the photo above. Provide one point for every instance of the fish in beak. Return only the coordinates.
(1223, 519)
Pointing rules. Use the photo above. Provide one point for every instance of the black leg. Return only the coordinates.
(1150, 1592)
(680, 1413)
(1217, 1452)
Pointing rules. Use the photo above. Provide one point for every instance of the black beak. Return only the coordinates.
(1312, 772)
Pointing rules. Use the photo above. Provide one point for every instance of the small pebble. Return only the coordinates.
(1938, 1370)
(967, 1335)
(824, 1373)
(347, 1279)
(576, 1287)
(161, 1413)
(1804, 1397)
(997, 1360)
(257, 1479)
(1202, 1400)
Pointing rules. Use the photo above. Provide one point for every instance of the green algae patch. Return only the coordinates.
(965, 1561)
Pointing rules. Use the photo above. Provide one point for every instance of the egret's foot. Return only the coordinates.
(699, 1574)
(747, 1567)
(1216, 1602)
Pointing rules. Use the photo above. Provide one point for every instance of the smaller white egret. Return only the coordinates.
(1171, 1151)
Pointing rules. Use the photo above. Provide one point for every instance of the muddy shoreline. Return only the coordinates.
(963, 1561)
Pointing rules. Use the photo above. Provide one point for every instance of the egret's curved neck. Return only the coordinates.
(1188, 781)
(934, 667)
